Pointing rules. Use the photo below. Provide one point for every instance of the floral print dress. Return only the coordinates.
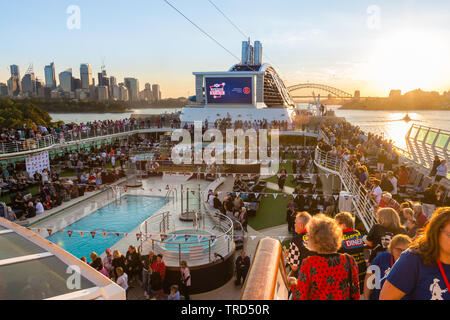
(326, 277)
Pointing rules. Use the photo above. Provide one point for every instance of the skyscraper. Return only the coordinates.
(102, 78)
(112, 84)
(132, 85)
(86, 75)
(112, 81)
(14, 84)
(40, 88)
(102, 93)
(123, 92)
(76, 84)
(115, 92)
(148, 92)
(50, 76)
(65, 80)
(29, 84)
(3, 90)
(15, 72)
(156, 92)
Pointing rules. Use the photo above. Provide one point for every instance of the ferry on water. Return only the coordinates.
(233, 193)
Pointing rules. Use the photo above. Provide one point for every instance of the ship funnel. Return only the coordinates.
(251, 55)
(258, 53)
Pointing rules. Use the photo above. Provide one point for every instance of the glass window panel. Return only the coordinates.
(12, 245)
(421, 134)
(413, 133)
(431, 136)
(442, 140)
(37, 279)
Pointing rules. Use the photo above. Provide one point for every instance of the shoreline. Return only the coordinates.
(396, 110)
(90, 112)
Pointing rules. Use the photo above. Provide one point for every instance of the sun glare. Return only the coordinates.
(409, 60)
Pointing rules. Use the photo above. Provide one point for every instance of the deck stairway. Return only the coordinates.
(362, 203)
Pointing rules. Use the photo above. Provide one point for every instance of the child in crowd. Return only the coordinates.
(174, 293)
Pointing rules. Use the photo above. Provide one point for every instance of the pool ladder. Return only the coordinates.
(116, 194)
(173, 193)
(164, 225)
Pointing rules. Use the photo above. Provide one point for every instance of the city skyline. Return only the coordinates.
(354, 45)
(82, 88)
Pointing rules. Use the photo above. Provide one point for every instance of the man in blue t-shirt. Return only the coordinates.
(418, 281)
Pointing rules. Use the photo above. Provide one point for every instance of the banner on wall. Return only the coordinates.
(37, 162)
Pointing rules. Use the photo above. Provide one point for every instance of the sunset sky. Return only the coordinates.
(373, 46)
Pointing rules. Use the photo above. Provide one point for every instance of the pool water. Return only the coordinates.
(172, 244)
(120, 217)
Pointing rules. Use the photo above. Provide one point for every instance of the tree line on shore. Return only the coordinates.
(74, 106)
(18, 113)
(413, 100)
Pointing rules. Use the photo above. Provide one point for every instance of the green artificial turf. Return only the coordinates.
(271, 212)
(289, 182)
(7, 198)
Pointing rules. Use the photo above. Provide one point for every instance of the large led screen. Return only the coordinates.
(229, 90)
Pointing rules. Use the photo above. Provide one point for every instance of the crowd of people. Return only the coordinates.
(228, 123)
(405, 255)
(20, 139)
(92, 169)
(329, 260)
(389, 184)
(147, 271)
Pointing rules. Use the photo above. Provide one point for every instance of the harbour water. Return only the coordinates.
(87, 117)
(390, 123)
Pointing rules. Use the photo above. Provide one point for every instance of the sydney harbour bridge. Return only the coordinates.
(303, 91)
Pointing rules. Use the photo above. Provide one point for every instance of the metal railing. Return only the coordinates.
(362, 202)
(267, 278)
(74, 135)
(84, 133)
(160, 234)
(27, 144)
(425, 142)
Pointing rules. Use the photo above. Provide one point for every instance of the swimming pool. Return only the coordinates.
(121, 217)
(175, 238)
